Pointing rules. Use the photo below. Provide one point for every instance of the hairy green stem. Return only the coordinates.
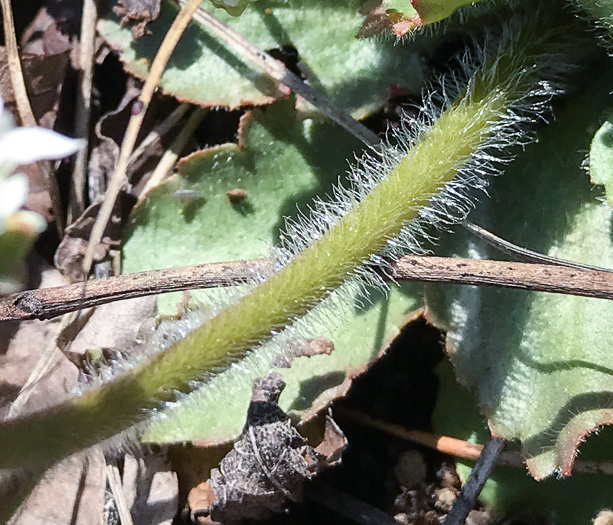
(600, 10)
(459, 133)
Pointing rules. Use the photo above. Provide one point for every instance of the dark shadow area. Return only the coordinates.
(243, 206)
(7, 330)
(218, 127)
(289, 56)
(557, 366)
(190, 209)
(312, 389)
(401, 386)
(8, 392)
(110, 82)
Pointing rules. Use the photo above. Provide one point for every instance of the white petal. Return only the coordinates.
(34, 222)
(29, 144)
(6, 120)
(13, 193)
(6, 124)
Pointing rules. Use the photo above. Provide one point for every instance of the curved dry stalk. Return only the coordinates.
(89, 18)
(136, 120)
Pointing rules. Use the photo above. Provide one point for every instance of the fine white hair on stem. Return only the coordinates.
(450, 204)
(454, 201)
(456, 144)
(503, 87)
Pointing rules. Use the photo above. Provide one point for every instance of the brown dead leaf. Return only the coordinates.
(44, 76)
(22, 345)
(71, 251)
(304, 348)
(150, 490)
(379, 18)
(102, 162)
(72, 492)
(333, 443)
(38, 196)
(43, 36)
(109, 131)
(104, 155)
(268, 465)
(112, 328)
(139, 13)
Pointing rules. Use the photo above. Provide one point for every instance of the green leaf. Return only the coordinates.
(601, 157)
(540, 364)
(282, 162)
(399, 5)
(14, 247)
(233, 7)
(408, 15)
(570, 501)
(430, 11)
(356, 74)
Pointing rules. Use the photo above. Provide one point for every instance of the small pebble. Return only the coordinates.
(431, 518)
(411, 469)
(448, 476)
(445, 498)
(605, 517)
(479, 517)
(402, 518)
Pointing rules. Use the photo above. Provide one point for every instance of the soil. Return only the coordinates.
(411, 484)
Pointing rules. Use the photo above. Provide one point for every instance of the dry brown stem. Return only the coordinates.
(51, 302)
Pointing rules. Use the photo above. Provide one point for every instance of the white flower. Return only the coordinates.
(23, 146)
(20, 228)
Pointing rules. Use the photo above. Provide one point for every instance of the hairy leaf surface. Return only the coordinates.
(354, 73)
(540, 364)
(570, 501)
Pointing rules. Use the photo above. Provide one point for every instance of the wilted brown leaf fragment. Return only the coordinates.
(139, 13)
(269, 463)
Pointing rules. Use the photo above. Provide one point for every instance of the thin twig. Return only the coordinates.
(15, 70)
(473, 487)
(158, 65)
(47, 303)
(89, 18)
(458, 447)
(523, 254)
(156, 134)
(277, 70)
(25, 109)
(114, 479)
(170, 156)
